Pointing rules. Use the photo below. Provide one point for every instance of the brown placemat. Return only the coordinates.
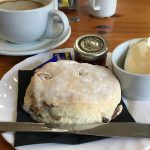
(36, 138)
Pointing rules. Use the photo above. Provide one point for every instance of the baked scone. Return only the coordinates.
(68, 92)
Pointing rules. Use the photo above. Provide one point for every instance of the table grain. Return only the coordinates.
(130, 21)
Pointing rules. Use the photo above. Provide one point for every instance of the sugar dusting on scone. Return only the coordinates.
(68, 92)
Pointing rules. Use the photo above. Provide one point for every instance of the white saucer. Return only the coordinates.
(7, 48)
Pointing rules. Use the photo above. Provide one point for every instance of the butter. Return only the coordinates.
(138, 58)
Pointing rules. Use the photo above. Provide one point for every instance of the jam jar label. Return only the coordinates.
(91, 44)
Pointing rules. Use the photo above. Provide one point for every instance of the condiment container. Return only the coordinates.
(67, 4)
(91, 48)
(133, 86)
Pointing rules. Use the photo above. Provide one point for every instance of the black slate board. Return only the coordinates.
(36, 138)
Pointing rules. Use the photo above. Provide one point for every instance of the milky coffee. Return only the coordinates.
(20, 5)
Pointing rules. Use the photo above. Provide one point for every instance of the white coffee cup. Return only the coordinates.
(102, 8)
(28, 26)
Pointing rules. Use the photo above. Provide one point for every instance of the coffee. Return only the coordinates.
(20, 5)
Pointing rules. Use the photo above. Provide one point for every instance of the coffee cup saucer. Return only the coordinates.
(7, 48)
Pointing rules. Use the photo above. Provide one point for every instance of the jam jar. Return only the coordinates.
(91, 48)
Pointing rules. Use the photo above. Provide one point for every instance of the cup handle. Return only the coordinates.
(64, 20)
(94, 5)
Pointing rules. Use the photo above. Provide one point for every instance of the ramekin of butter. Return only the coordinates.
(131, 65)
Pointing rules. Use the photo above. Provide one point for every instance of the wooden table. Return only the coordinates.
(131, 21)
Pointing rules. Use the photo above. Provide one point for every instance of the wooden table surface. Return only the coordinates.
(130, 21)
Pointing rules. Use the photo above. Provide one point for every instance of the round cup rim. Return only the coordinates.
(24, 11)
(114, 63)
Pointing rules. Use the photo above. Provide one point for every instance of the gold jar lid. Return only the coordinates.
(90, 46)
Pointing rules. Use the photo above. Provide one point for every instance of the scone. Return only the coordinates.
(68, 92)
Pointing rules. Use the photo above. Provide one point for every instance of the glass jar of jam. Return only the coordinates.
(91, 48)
